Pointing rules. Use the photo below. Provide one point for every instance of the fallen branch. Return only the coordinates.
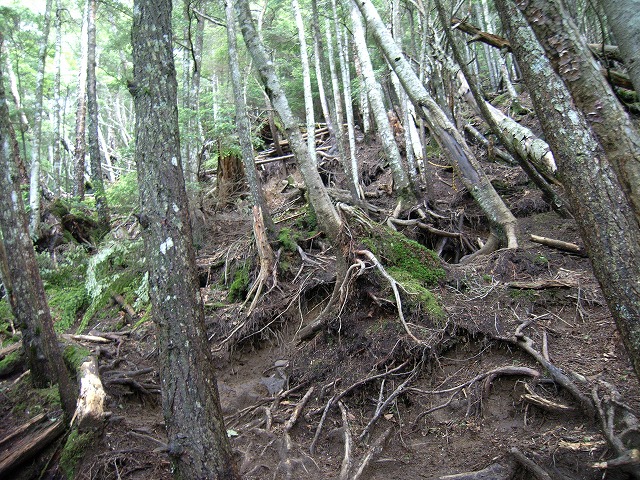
(346, 461)
(129, 312)
(537, 471)
(496, 471)
(375, 449)
(559, 245)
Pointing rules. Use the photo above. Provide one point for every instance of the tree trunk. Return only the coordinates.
(92, 109)
(572, 60)
(306, 80)
(56, 164)
(624, 20)
(374, 93)
(34, 184)
(81, 111)
(27, 297)
(198, 443)
(318, 197)
(501, 220)
(243, 125)
(326, 96)
(609, 229)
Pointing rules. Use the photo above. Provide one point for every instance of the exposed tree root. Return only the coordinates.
(346, 461)
(537, 471)
(375, 449)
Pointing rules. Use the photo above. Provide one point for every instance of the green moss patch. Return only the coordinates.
(74, 356)
(74, 449)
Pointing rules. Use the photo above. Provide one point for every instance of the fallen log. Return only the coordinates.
(28, 447)
(89, 412)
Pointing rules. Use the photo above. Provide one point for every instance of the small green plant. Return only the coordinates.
(288, 239)
(240, 285)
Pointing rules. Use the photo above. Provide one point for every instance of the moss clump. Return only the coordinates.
(10, 363)
(288, 239)
(395, 250)
(74, 356)
(65, 305)
(419, 296)
(240, 285)
(73, 451)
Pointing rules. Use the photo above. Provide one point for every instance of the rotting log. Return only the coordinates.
(89, 412)
(27, 448)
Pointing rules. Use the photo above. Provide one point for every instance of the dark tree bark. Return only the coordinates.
(27, 297)
(609, 229)
(95, 154)
(571, 59)
(198, 443)
(624, 20)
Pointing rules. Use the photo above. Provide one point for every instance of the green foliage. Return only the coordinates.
(5, 315)
(118, 268)
(73, 451)
(289, 239)
(64, 285)
(240, 285)
(122, 195)
(74, 356)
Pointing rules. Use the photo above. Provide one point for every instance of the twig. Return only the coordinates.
(346, 461)
(537, 471)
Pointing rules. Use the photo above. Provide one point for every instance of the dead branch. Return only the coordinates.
(558, 376)
(375, 449)
(129, 312)
(86, 338)
(346, 461)
(10, 349)
(496, 471)
(559, 245)
(21, 429)
(537, 471)
(543, 284)
(535, 399)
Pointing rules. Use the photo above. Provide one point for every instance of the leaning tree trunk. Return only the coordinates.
(34, 185)
(502, 222)
(243, 125)
(624, 20)
(572, 60)
(375, 96)
(28, 300)
(609, 229)
(328, 217)
(92, 109)
(81, 111)
(199, 447)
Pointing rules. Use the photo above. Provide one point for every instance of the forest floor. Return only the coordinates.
(467, 397)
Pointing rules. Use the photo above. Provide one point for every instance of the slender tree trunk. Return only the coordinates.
(56, 98)
(609, 229)
(343, 61)
(322, 75)
(81, 111)
(34, 184)
(573, 61)
(501, 220)
(327, 215)
(27, 298)
(92, 109)
(243, 125)
(306, 80)
(198, 443)
(624, 19)
(374, 93)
